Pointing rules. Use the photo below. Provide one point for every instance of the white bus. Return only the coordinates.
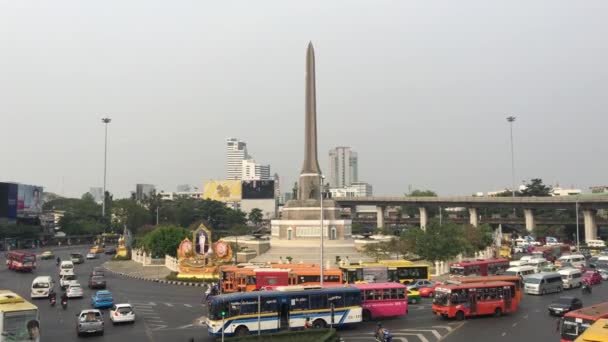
(244, 313)
(18, 318)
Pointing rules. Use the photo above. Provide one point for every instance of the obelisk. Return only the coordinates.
(310, 183)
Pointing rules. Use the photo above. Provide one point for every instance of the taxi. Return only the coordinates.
(413, 297)
(46, 255)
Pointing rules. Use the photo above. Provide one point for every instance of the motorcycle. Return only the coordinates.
(384, 336)
(586, 288)
(53, 300)
(64, 303)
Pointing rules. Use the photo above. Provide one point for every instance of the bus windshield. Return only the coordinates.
(457, 270)
(15, 325)
(441, 298)
(571, 330)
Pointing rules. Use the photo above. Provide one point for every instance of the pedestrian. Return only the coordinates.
(559, 324)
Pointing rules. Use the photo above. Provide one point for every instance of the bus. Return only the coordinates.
(247, 278)
(287, 308)
(480, 267)
(517, 281)
(577, 321)
(597, 332)
(17, 316)
(383, 300)
(551, 252)
(21, 261)
(474, 299)
(402, 271)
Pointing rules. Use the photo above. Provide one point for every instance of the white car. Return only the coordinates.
(67, 280)
(91, 256)
(122, 313)
(74, 291)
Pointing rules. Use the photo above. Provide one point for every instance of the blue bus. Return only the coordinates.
(289, 307)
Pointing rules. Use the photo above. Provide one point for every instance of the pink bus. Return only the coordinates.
(383, 300)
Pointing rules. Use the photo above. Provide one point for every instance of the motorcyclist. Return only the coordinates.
(64, 298)
(52, 297)
(586, 286)
(379, 332)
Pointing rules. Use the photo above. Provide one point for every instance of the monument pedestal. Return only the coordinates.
(301, 220)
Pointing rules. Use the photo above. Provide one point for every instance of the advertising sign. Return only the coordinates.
(29, 199)
(223, 191)
(8, 200)
(258, 189)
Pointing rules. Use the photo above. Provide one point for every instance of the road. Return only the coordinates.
(170, 313)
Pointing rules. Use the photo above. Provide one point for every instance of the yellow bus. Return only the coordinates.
(19, 319)
(403, 271)
(597, 332)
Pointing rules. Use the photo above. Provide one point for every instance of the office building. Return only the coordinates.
(254, 171)
(356, 189)
(343, 167)
(236, 152)
(144, 190)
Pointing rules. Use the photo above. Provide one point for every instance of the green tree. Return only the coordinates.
(164, 240)
(438, 242)
(536, 188)
(477, 238)
(256, 216)
(129, 213)
(377, 251)
(413, 210)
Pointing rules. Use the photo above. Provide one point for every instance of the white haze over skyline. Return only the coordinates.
(420, 89)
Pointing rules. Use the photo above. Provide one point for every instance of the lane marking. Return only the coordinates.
(168, 304)
(514, 325)
(420, 336)
(448, 328)
(434, 332)
(188, 305)
(504, 334)
(526, 316)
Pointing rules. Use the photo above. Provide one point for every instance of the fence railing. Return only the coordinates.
(145, 259)
(171, 263)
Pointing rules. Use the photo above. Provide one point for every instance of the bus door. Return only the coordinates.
(283, 314)
(472, 301)
(241, 282)
(507, 298)
(293, 279)
(228, 282)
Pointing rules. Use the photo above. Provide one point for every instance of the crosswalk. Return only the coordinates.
(418, 334)
(149, 313)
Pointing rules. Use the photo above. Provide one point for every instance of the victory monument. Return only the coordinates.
(301, 217)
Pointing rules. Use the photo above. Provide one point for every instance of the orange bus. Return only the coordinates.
(251, 277)
(575, 322)
(517, 281)
(21, 261)
(474, 299)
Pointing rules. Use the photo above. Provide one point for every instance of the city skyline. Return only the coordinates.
(432, 93)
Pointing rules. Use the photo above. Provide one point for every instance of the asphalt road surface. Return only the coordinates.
(170, 313)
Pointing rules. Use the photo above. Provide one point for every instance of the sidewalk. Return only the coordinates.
(135, 270)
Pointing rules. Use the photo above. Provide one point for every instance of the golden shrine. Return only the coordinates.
(121, 250)
(200, 257)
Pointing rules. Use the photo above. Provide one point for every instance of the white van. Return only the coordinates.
(542, 283)
(42, 287)
(66, 267)
(527, 258)
(520, 271)
(574, 259)
(596, 243)
(571, 277)
(538, 264)
(517, 263)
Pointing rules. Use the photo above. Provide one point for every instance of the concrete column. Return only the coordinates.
(529, 215)
(473, 217)
(590, 224)
(424, 217)
(380, 217)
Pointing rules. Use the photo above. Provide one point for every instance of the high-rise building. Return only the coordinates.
(97, 194)
(277, 186)
(254, 171)
(236, 152)
(343, 167)
(356, 189)
(143, 190)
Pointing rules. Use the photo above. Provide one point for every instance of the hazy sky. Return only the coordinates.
(420, 89)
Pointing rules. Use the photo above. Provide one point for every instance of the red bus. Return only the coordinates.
(383, 300)
(551, 253)
(21, 261)
(575, 322)
(270, 278)
(474, 299)
(516, 280)
(480, 267)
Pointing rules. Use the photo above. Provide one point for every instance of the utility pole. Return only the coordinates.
(322, 218)
(511, 119)
(105, 121)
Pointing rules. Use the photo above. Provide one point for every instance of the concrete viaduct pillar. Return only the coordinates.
(380, 217)
(473, 217)
(590, 224)
(529, 216)
(424, 217)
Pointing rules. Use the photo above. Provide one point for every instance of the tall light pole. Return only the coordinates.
(105, 121)
(322, 217)
(578, 246)
(511, 119)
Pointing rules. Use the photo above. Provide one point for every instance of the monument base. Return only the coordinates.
(301, 220)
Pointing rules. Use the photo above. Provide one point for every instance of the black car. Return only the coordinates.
(110, 250)
(97, 282)
(97, 271)
(564, 305)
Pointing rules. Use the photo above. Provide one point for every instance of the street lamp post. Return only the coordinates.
(105, 121)
(322, 217)
(578, 246)
(511, 119)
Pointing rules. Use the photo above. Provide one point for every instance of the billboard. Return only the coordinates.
(29, 200)
(8, 200)
(258, 189)
(223, 191)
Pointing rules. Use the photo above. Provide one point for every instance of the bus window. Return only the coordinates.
(299, 302)
(269, 305)
(394, 294)
(336, 299)
(352, 299)
(386, 294)
(318, 301)
(331, 278)
(369, 294)
(400, 293)
(249, 306)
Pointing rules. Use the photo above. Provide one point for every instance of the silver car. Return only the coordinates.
(74, 291)
(89, 322)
